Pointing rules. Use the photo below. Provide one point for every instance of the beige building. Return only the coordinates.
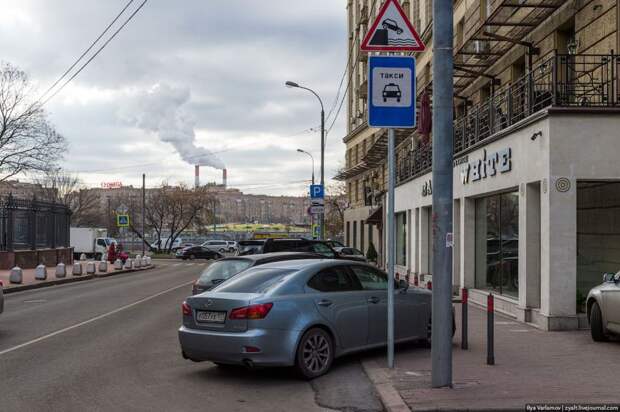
(536, 176)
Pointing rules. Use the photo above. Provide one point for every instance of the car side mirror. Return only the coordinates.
(608, 277)
(403, 285)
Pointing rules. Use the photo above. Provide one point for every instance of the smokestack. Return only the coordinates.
(197, 176)
(224, 178)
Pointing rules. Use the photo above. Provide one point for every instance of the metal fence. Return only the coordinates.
(579, 81)
(29, 224)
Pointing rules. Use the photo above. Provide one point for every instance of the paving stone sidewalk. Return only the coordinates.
(531, 366)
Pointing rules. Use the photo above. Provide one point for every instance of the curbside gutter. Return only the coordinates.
(390, 398)
(73, 279)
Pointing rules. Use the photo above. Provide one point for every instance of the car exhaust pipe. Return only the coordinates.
(248, 363)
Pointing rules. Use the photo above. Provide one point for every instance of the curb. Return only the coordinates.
(390, 398)
(73, 279)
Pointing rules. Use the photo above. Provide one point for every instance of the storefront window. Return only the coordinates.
(497, 243)
(401, 239)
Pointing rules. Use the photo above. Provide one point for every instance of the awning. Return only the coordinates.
(376, 217)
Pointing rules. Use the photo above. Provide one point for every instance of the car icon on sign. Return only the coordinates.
(392, 25)
(391, 91)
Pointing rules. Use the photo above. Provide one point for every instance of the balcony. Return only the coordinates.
(570, 82)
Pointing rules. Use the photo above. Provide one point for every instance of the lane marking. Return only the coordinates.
(91, 320)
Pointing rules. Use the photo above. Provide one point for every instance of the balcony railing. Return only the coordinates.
(579, 81)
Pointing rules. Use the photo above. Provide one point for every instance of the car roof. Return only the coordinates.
(310, 263)
(272, 255)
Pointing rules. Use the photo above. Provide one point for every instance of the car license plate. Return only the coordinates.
(210, 316)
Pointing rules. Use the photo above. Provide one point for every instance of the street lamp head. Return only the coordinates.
(301, 151)
(291, 84)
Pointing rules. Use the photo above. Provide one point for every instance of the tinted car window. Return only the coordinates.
(281, 246)
(322, 249)
(370, 279)
(223, 269)
(334, 279)
(255, 281)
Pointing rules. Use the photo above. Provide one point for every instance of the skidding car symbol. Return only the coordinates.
(392, 25)
(391, 91)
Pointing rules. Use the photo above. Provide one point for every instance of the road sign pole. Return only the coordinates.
(143, 212)
(391, 246)
(322, 215)
(443, 67)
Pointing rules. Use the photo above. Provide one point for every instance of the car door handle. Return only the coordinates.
(324, 302)
(373, 299)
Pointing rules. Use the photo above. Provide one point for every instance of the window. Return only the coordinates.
(362, 238)
(401, 238)
(348, 239)
(370, 279)
(321, 249)
(335, 279)
(497, 243)
(101, 242)
(355, 234)
(224, 269)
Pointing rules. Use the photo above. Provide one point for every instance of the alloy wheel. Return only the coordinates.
(316, 353)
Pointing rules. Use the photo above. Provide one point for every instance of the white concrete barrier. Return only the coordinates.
(148, 261)
(118, 264)
(128, 264)
(40, 273)
(61, 270)
(83, 256)
(137, 261)
(103, 266)
(16, 275)
(77, 269)
(90, 268)
(144, 261)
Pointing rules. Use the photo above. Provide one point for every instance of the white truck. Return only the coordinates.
(93, 242)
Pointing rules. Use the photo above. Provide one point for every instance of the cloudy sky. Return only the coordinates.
(187, 77)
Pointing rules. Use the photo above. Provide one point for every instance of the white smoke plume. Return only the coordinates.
(161, 110)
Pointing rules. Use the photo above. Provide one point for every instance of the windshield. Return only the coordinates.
(223, 270)
(255, 281)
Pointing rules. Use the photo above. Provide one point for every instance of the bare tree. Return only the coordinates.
(335, 205)
(28, 142)
(170, 210)
(68, 189)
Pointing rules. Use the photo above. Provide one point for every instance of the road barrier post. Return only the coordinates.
(490, 330)
(464, 340)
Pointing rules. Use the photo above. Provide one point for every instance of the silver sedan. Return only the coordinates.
(300, 313)
(603, 304)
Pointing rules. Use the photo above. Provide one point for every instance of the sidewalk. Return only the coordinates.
(531, 366)
(29, 281)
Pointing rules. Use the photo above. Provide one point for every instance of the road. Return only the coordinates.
(111, 345)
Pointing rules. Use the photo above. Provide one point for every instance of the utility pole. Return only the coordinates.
(143, 211)
(322, 215)
(443, 152)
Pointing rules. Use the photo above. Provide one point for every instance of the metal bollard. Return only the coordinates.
(465, 297)
(490, 330)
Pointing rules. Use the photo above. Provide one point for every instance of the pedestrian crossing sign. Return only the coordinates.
(122, 220)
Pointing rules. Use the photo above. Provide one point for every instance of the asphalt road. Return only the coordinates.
(111, 345)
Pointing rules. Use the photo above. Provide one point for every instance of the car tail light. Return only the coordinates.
(429, 285)
(187, 310)
(259, 311)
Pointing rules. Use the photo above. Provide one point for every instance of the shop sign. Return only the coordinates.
(490, 165)
(427, 188)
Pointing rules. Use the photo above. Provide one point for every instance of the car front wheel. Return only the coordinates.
(596, 324)
(315, 353)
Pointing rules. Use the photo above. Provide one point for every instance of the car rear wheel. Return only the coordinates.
(315, 353)
(596, 324)
(192, 257)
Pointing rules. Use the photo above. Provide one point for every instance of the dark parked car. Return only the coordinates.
(305, 245)
(226, 268)
(197, 252)
(351, 253)
(250, 247)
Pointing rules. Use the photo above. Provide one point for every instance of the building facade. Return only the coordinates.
(536, 176)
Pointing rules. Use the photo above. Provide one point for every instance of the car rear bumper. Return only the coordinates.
(277, 347)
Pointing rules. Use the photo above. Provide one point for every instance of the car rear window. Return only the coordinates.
(224, 269)
(255, 281)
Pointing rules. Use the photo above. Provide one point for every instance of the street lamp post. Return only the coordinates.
(312, 215)
(322, 215)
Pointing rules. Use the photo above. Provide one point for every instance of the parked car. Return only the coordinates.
(304, 245)
(1, 297)
(197, 252)
(351, 253)
(232, 246)
(249, 247)
(220, 246)
(334, 243)
(301, 313)
(226, 268)
(603, 306)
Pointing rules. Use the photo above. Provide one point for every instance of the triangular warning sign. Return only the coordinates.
(392, 31)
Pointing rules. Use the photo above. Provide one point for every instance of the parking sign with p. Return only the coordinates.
(316, 192)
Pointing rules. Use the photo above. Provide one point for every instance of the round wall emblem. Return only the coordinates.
(562, 184)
